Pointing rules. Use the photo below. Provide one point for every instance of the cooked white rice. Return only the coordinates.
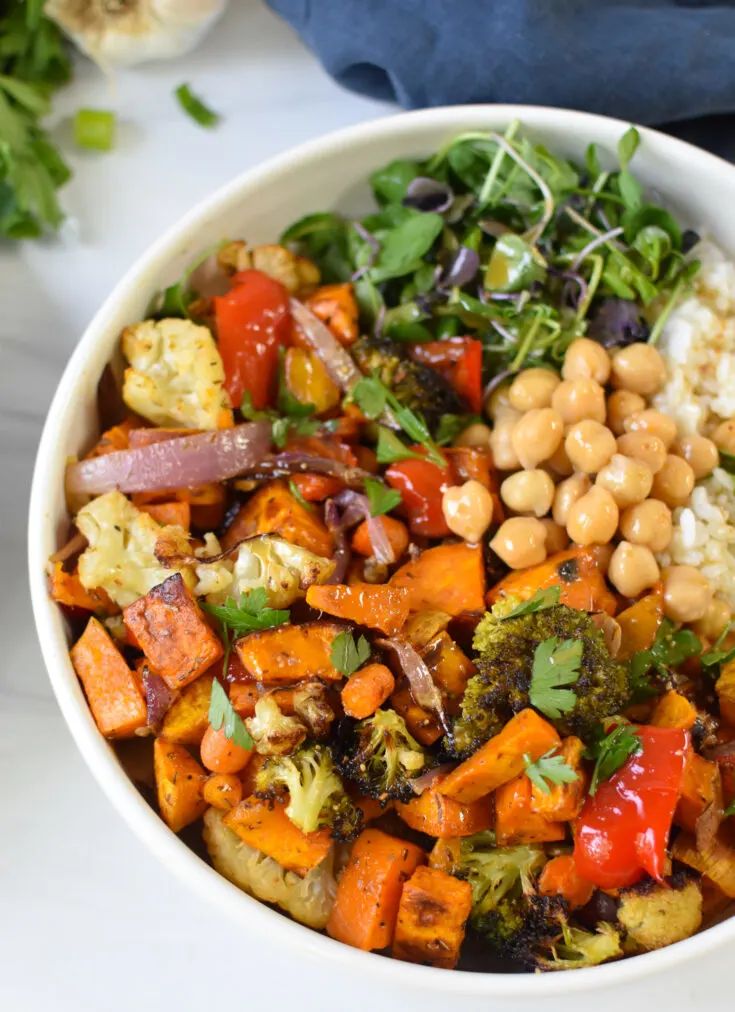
(698, 343)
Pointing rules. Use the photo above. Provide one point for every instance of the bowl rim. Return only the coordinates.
(99, 755)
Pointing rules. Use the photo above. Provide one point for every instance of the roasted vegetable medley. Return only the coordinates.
(368, 581)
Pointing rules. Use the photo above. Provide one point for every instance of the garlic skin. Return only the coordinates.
(120, 33)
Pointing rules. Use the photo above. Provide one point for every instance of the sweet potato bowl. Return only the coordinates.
(259, 205)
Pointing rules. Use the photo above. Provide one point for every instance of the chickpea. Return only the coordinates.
(468, 510)
(520, 542)
(638, 367)
(478, 434)
(529, 492)
(687, 593)
(674, 482)
(532, 389)
(654, 424)
(633, 569)
(593, 518)
(628, 481)
(589, 446)
(647, 523)
(724, 436)
(536, 436)
(560, 463)
(567, 493)
(577, 399)
(700, 454)
(714, 620)
(647, 448)
(586, 359)
(556, 537)
(501, 446)
(497, 404)
(620, 404)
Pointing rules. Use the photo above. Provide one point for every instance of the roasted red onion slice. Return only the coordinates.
(158, 698)
(337, 361)
(422, 686)
(357, 508)
(428, 779)
(184, 462)
(341, 554)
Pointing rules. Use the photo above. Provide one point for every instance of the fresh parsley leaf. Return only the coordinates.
(282, 428)
(222, 714)
(549, 769)
(450, 426)
(369, 395)
(193, 106)
(297, 494)
(253, 414)
(610, 751)
(717, 656)
(671, 648)
(730, 810)
(390, 449)
(291, 406)
(415, 428)
(555, 666)
(541, 600)
(252, 612)
(381, 499)
(347, 655)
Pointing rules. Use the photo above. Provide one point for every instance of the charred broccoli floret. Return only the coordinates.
(416, 385)
(500, 688)
(577, 948)
(380, 756)
(316, 795)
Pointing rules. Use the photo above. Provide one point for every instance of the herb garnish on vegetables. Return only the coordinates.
(610, 751)
(555, 667)
(549, 769)
(222, 714)
(349, 654)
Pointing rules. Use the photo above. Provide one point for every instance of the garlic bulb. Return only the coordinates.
(124, 32)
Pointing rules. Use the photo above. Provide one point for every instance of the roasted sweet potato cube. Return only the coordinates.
(290, 653)
(112, 689)
(448, 578)
(578, 572)
(188, 716)
(378, 606)
(265, 826)
(515, 820)
(169, 627)
(179, 784)
(274, 510)
(432, 914)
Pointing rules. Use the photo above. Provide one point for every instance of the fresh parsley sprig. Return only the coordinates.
(717, 656)
(372, 398)
(671, 648)
(610, 752)
(555, 667)
(549, 769)
(548, 597)
(222, 714)
(251, 613)
(390, 449)
(381, 499)
(348, 654)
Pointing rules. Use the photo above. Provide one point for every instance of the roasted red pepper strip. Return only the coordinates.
(421, 485)
(623, 830)
(253, 321)
(459, 360)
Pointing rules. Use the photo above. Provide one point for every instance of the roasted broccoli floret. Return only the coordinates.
(316, 795)
(500, 688)
(380, 756)
(417, 386)
(577, 948)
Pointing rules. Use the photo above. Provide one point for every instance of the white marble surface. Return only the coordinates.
(88, 919)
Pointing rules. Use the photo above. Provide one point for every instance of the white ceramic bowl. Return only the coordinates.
(326, 173)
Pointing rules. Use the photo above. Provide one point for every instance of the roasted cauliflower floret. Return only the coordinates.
(656, 915)
(283, 569)
(121, 556)
(308, 900)
(176, 376)
(296, 273)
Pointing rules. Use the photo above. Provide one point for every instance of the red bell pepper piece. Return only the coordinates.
(622, 831)
(253, 320)
(459, 360)
(421, 485)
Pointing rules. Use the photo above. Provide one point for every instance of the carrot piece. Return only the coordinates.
(725, 689)
(700, 788)
(335, 305)
(187, 718)
(379, 606)
(170, 628)
(502, 758)
(431, 920)
(165, 513)
(220, 755)
(317, 487)
(577, 571)
(420, 723)
(275, 510)
(369, 890)
(395, 530)
(223, 791)
(179, 784)
(559, 877)
(112, 689)
(291, 653)
(434, 814)
(119, 437)
(515, 820)
(564, 801)
(674, 710)
(66, 588)
(244, 696)
(366, 690)
(639, 623)
(371, 808)
(265, 826)
(448, 578)
(716, 860)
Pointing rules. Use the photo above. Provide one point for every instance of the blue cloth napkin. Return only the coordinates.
(649, 61)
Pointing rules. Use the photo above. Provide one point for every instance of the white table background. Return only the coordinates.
(88, 919)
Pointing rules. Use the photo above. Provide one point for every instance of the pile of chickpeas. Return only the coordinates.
(588, 461)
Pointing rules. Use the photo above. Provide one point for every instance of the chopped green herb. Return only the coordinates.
(222, 714)
(730, 810)
(415, 428)
(95, 129)
(555, 667)
(369, 395)
(450, 426)
(717, 656)
(381, 499)
(549, 769)
(296, 493)
(390, 449)
(252, 612)
(671, 648)
(194, 107)
(610, 751)
(347, 655)
(542, 599)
